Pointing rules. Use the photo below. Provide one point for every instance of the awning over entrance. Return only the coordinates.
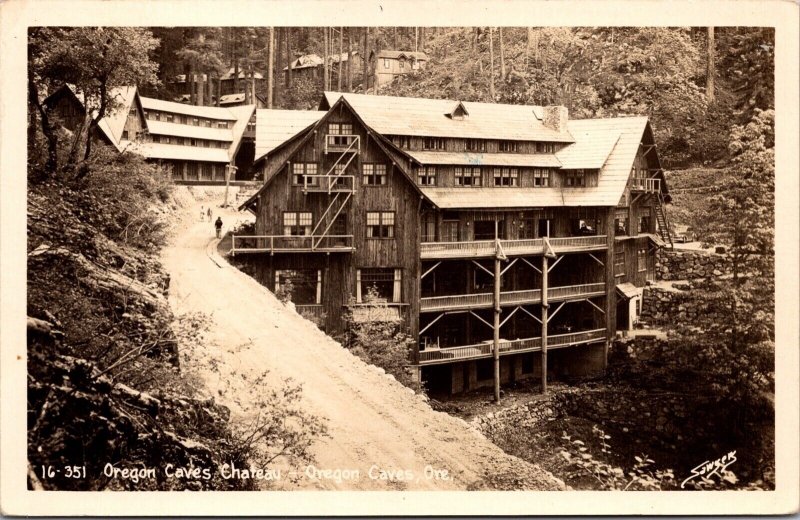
(628, 290)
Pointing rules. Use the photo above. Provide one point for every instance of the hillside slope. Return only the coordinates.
(372, 421)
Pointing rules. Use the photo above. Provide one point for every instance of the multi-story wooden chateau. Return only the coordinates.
(490, 230)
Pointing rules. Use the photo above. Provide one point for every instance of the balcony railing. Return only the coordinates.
(433, 356)
(291, 244)
(486, 248)
(647, 185)
(508, 298)
(342, 143)
(328, 183)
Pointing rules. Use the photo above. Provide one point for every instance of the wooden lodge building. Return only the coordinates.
(388, 64)
(479, 225)
(196, 143)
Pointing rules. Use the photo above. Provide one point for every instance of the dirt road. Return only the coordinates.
(374, 423)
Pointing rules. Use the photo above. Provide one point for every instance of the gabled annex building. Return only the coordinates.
(492, 231)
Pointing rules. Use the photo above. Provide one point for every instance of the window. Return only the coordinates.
(386, 63)
(124, 134)
(222, 124)
(433, 143)
(505, 176)
(485, 229)
(582, 226)
(301, 170)
(427, 175)
(641, 258)
(620, 226)
(414, 64)
(509, 146)
(475, 145)
(380, 224)
(374, 174)
(306, 285)
(167, 140)
(156, 138)
(157, 116)
(196, 121)
(383, 283)
(340, 134)
(297, 224)
(170, 118)
(527, 228)
(468, 176)
(193, 142)
(644, 224)
(207, 123)
(402, 64)
(575, 178)
(541, 177)
(619, 262)
(147, 114)
(545, 147)
(206, 143)
(401, 141)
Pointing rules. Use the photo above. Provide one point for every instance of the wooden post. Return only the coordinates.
(545, 305)
(496, 342)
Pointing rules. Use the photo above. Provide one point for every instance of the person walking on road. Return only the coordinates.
(218, 226)
(202, 213)
(209, 214)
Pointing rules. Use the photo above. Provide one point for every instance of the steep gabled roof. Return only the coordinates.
(275, 127)
(592, 146)
(536, 160)
(612, 180)
(242, 74)
(390, 115)
(219, 113)
(243, 113)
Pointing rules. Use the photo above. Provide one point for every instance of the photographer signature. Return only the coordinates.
(708, 469)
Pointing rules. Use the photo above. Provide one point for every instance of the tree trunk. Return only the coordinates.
(339, 69)
(365, 56)
(201, 88)
(349, 62)
(219, 89)
(325, 80)
(416, 39)
(502, 55)
(394, 34)
(528, 47)
(711, 68)
(491, 64)
(49, 133)
(190, 80)
(270, 66)
(288, 77)
(422, 39)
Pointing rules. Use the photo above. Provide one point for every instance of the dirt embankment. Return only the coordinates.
(381, 433)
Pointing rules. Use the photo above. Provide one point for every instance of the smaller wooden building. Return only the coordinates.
(388, 64)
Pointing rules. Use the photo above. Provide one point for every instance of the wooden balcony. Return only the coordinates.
(249, 244)
(509, 298)
(342, 143)
(525, 247)
(328, 183)
(645, 185)
(434, 356)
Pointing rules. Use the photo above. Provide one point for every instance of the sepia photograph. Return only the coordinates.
(318, 257)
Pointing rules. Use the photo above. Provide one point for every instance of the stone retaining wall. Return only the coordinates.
(690, 265)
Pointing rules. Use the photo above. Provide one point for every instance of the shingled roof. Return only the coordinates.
(390, 115)
(274, 127)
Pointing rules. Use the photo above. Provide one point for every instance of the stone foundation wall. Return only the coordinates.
(690, 265)
(676, 304)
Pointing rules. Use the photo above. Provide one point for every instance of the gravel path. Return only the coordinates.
(373, 421)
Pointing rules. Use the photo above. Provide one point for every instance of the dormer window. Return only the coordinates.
(545, 147)
(575, 178)
(459, 112)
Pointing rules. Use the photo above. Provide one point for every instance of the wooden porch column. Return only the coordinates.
(611, 286)
(496, 325)
(545, 306)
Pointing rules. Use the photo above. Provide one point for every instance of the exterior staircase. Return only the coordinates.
(663, 223)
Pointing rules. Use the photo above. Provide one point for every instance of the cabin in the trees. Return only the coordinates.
(310, 66)
(388, 64)
(476, 224)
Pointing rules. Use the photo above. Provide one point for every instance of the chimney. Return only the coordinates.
(555, 118)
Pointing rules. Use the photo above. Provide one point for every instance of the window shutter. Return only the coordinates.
(398, 276)
(358, 285)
